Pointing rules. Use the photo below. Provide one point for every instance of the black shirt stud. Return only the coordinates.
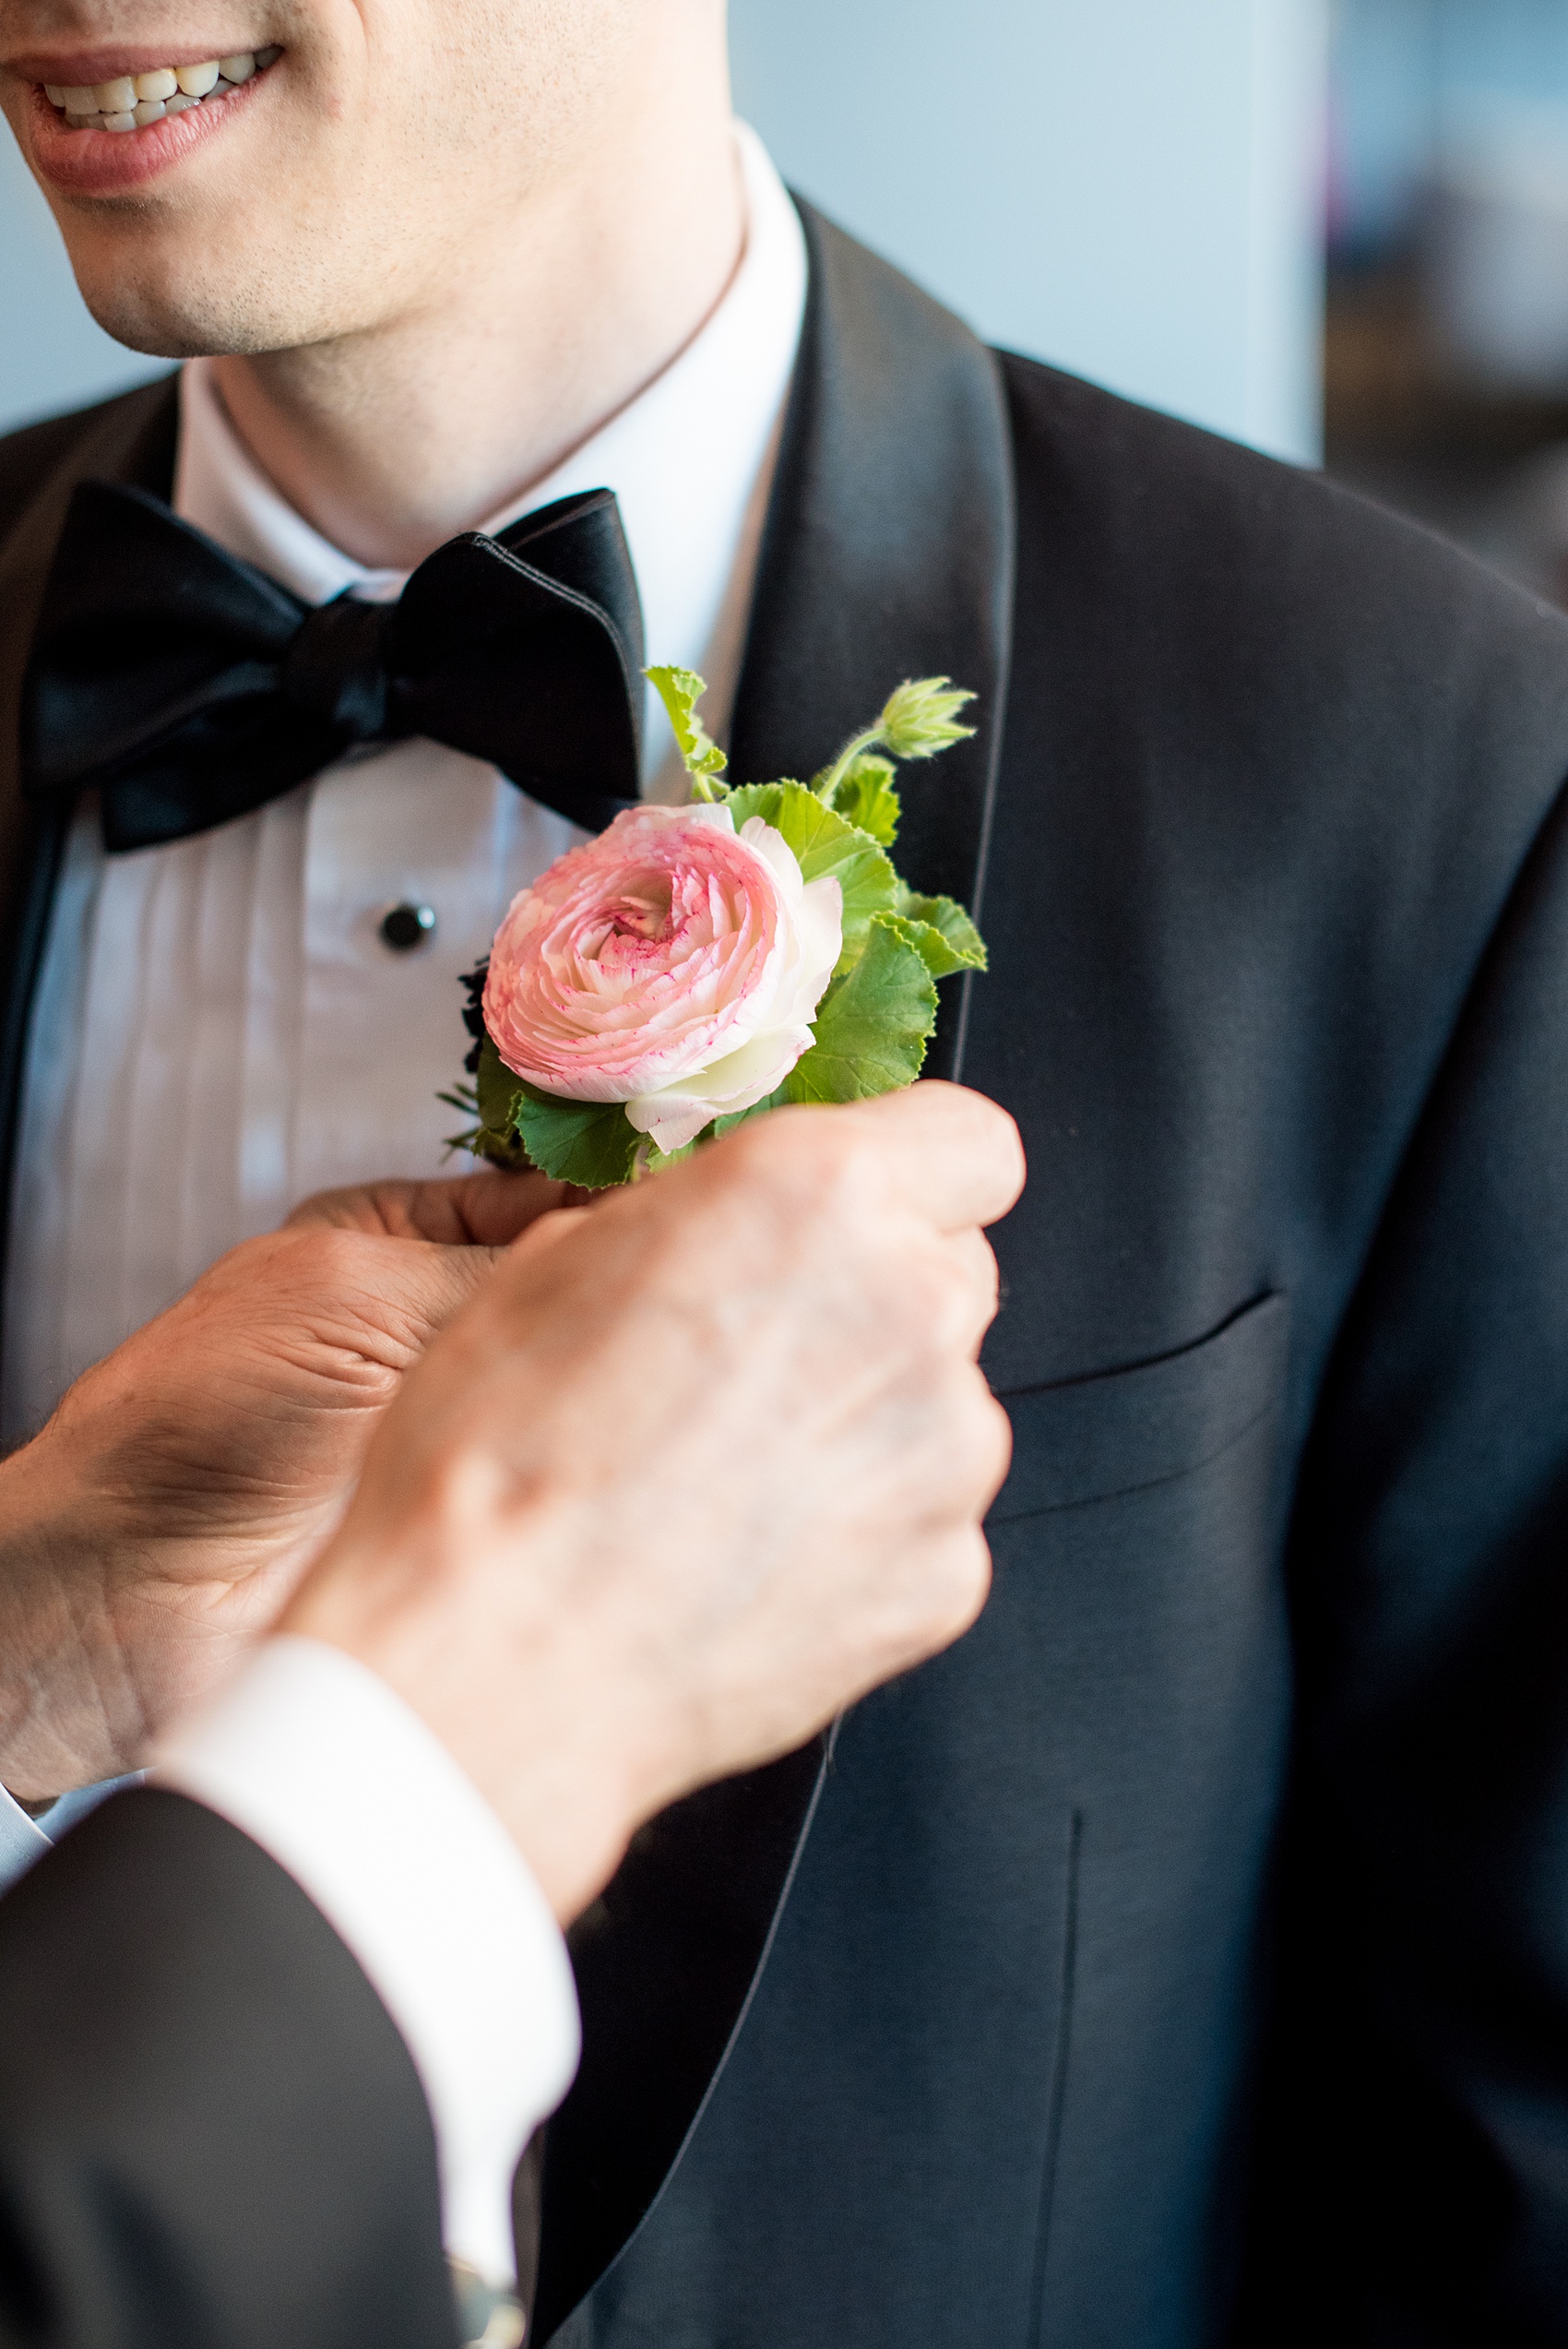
(407, 926)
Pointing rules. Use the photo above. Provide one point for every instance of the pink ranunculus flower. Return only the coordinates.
(674, 964)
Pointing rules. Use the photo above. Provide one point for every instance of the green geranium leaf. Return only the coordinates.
(865, 796)
(823, 842)
(589, 1143)
(957, 944)
(489, 1099)
(680, 690)
(577, 1142)
(873, 1024)
(768, 801)
(495, 1090)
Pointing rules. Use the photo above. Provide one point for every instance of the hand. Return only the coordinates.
(691, 1472)
(164, 1514)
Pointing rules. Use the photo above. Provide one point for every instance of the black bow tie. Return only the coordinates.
(189, 687)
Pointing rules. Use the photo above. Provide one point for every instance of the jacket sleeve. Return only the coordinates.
(211, 2135)
(1416, 2178)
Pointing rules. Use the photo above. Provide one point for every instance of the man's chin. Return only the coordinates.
(192, 320)
(161, 338)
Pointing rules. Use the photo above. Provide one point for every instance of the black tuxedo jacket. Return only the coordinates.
(211, 2136)
(1183, 1959)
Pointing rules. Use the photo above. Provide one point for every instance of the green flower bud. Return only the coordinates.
(919, 719)
(916, 722)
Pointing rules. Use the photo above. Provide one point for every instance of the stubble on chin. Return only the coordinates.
(181, 322)
(221, 282)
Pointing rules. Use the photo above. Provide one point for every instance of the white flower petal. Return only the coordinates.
(701, 811)
(671, 1128)
(820, 931)
(777, 853)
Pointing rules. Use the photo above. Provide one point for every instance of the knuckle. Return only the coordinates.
(978, 1259)
(827, 1148)
(965, 1581)
(949, 1584)
(815, 1171)
(996, 1450)
(989, 1435)
(756, 1160)
(976, 1443)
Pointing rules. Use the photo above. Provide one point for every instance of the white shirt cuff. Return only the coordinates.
(319, 1762)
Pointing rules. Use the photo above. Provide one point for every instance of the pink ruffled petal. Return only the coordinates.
(667, 947)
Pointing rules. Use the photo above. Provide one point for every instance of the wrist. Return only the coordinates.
(68, 1716)
(531, 1716)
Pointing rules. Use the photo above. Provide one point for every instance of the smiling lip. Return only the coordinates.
(101, 162)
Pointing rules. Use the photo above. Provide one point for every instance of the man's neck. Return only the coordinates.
(391, 439)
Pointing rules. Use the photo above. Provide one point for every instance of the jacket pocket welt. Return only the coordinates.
(1089, 1439)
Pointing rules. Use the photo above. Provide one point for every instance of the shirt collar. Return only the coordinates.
(690, 458)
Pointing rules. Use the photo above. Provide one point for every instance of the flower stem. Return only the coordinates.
(828, 781)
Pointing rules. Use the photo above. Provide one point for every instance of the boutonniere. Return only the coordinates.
(696, 966)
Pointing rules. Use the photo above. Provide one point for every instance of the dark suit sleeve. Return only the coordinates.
(211, 2135)
(1420, 2154)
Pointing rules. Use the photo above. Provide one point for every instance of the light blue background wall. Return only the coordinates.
(1130, 187)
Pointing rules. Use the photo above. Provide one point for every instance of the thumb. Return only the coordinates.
(436, 1282)
(428, 1282)
(487, 1210)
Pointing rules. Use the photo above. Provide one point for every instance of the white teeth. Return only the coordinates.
(133, 101)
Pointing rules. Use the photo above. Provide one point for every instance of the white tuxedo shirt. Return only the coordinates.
(219, 1031)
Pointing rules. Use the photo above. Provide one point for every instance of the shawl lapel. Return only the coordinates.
(129, 439)
(888, 554)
